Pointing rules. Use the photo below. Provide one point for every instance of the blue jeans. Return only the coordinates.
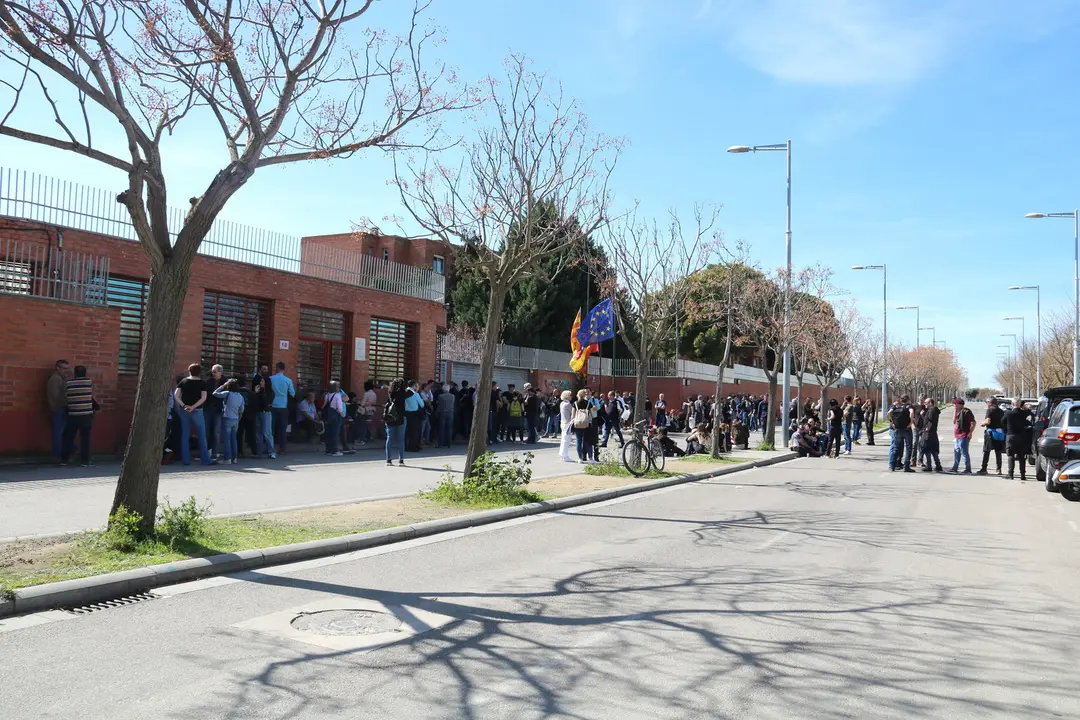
(228, 438)
(281, 426)
(847, 437)
(856, 435)
(584, 447)
(661, 419)
(608, 426)
(960, 450)
(900, 449)
(264, 433)
(395, 438)
(332, 430)
(187, 420)
(446, 428)
(80, 424)
(552, 424)
(59, 417)
(213, 419)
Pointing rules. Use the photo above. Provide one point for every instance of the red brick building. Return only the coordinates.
(324, 308)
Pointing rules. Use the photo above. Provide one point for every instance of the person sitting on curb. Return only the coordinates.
(669, 446)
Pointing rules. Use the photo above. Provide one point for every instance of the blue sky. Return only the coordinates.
(923, 132)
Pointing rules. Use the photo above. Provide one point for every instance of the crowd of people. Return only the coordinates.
(831, 429)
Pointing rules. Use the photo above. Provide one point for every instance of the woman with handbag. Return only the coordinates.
(993, 435)
(566, 416)
(582, 423)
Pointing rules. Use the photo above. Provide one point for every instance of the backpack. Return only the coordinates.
(393, 413)
(515, 408)
(900, 417)
(581, 419)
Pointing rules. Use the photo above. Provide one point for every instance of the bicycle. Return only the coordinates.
(642, 451)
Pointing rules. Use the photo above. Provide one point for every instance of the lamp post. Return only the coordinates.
(1019, 352)
(786, 148)
(1075, 217)
(1038, 336)
(884, 326)
(933, 336)
(1016, 361)
(916, 309)
(1008, 361)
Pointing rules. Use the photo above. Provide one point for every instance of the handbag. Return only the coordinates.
(997, 434)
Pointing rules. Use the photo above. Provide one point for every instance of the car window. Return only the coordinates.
(1058, 415)
(1074, 415)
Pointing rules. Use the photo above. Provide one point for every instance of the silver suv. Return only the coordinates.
(1063, 424)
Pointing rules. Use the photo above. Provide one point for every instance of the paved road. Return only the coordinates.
(47, 500)
(815, 589)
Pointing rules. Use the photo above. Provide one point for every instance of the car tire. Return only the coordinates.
(1051, 486)
(1040, 472)
(1070, 491)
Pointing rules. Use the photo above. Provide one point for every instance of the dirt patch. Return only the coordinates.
(373, 515)
(26, 553)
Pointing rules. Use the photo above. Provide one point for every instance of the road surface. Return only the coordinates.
(813, 589)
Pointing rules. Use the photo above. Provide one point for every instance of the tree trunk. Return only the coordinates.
(137, 489)
(642, 381)
(715, 449)
(482, 406)
(770, 426)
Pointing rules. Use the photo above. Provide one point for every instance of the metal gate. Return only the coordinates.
(236, 332)
(503, 375)
(321, 350)
(391, 350)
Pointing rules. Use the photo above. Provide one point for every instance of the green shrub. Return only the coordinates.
(765, 446)
(123, 531)
(492, 482)
(181, 523)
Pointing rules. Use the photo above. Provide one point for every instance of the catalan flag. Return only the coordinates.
(580, 361)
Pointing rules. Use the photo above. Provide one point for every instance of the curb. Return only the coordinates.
(99, 588)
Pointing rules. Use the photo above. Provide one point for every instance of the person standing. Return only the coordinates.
(396, 422)
(583, 425)
(56, 395)
(79, 400)
(366, 414)
(414, 412)
(931, 445)
(901, 417)
(869, 418)
(246, 428)
(334, 408)
(661, 411)
(466, 408)
(963, 428)
(566, 414)
(213, 412)
(858, 416)
(849, 423)
(264, 417)
(532, 414)
(994, 435)
(427, 395)
(1017, 426)
(613, 411)
(552, 429)
(232, 408)
(444, 417)
(836, 428)
(283, 390)
(191, 396)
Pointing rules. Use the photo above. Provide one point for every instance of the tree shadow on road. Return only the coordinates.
(699, 634)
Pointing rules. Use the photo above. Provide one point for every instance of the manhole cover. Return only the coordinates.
(346, 622)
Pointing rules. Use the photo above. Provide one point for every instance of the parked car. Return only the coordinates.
(1057, 415)
(1061, 473)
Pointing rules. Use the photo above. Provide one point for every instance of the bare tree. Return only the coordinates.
(712, 296)
(277, 79)
(866, 358)
(540, 154)
(647, 273)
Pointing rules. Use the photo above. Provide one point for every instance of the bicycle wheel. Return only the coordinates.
(636, 458)
(656, 452)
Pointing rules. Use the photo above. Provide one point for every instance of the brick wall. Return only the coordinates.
(285, 291)
(34, 334)
(418, 252)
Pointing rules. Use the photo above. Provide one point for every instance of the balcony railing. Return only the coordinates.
(39, 271)
(31, 196)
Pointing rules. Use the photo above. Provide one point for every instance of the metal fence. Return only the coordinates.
(32, 196)
(39, 271)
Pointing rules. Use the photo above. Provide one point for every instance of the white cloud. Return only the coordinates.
(841, 42)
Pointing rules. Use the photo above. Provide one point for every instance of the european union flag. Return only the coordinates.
(598, 325)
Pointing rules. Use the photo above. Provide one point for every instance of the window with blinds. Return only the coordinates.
(236, 332)
(130, 296)
(321, 349)
(391, 350)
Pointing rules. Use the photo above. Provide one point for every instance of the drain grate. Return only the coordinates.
(109, 604)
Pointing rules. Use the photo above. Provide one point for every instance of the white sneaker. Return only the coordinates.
(273, 456)
(336, 454)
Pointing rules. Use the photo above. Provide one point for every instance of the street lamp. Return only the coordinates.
(1008, 360)
(884, 325)
(1075, 217)
(933, 336)
(916, 309)
(1016, 360)
(1020, 355)
(781, 147)
(1038, 337)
